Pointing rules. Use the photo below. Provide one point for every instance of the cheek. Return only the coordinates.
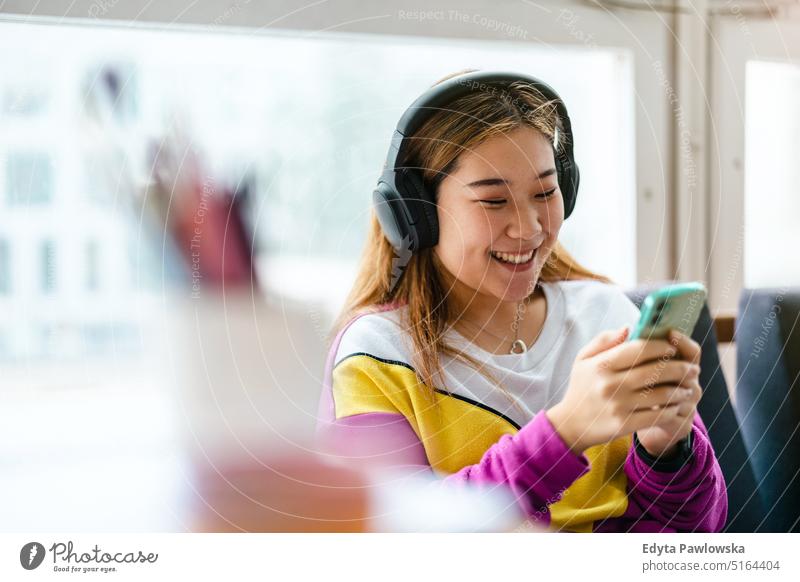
(465, 226)
(555, 215)
(464, 235)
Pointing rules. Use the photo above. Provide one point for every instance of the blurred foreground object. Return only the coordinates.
(252, 369)
(289, 491)
(296, 491)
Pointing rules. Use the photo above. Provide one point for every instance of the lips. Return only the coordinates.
(516, 267)
(514, 258)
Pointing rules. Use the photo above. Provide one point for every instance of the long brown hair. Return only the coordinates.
(435, 148)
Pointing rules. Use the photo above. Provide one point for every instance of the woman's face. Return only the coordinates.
(503, 197)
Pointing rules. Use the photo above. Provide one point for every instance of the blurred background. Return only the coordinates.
(185, 188)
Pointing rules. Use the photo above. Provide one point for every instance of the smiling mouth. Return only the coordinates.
(513, 259)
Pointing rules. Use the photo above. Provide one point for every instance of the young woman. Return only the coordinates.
(486, 353)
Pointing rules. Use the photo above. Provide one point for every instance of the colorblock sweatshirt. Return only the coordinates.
(375, 410)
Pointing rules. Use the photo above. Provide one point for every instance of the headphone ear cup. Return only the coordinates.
(568, 180)
(393, 214)
(426, 220)
(576, 180)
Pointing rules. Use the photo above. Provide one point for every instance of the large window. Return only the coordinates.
(306, 120)
(772, 174)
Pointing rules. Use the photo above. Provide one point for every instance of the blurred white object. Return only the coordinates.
(404, 501)
(249, 370)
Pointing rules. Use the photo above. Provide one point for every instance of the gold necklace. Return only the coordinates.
(518, 346)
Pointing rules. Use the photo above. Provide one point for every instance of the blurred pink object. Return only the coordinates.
(203, 217)
(210, 233)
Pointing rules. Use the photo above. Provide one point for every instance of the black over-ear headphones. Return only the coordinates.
(406, 210)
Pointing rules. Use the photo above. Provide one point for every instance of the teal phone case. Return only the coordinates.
(671, 307)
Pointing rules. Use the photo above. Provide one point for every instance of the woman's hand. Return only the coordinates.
(661, 439)
(618, 387)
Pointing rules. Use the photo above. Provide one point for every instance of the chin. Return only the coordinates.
(517, 292)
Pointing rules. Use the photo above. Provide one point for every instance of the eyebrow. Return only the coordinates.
(503, 181)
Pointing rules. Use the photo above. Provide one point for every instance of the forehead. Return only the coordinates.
(523, 150)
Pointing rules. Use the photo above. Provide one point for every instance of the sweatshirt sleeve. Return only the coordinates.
(690, 498)
(534, 464)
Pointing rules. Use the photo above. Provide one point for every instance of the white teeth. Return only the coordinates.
(516, 259)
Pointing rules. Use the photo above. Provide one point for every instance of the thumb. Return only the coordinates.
(604, 341)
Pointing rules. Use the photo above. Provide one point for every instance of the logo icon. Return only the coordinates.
(31, 555)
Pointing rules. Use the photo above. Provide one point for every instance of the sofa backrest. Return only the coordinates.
(767, 336)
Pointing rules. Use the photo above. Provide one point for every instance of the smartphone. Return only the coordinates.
(671, 307)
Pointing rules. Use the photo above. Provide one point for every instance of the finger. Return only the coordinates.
(661, 371)
(696, 393)
(683, 409)
(636, 352)
(659, 397)
(687, 397)
(646, 418)
(688, 349)
(603, 342)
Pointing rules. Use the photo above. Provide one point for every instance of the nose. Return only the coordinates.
(524, 222)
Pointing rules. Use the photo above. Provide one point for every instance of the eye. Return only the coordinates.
(490, 203)
(545, 195)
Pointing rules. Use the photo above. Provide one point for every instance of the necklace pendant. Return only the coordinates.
(518, 347)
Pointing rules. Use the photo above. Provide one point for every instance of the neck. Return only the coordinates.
(486, 311)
